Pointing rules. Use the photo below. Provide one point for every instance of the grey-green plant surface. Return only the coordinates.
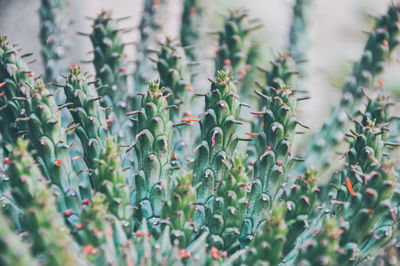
(106, 177)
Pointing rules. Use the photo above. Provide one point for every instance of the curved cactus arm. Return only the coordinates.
(381, 42)
(54, 23)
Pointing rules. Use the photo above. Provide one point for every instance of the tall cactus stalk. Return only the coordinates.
(54, 24)
(153, 149)
(218, 125)
(100, 150)
(110, 62)
(150, 28)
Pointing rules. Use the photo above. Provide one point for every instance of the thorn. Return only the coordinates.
(82, 34)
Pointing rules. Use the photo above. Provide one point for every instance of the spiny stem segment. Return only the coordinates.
(219, 139)
(381, 42)
(54, 25)
(153, 148)
(110, 61)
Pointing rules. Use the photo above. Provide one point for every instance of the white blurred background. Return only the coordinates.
(335, 32)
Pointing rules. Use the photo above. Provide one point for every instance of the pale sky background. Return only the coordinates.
(335, 32)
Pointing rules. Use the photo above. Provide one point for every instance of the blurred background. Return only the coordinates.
(335, 33)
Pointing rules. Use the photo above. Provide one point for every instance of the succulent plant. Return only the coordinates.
(97, 172)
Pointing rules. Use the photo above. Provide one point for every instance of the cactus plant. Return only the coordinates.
(54, 25)
(129, 191)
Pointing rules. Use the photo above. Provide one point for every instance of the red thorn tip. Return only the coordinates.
(385, 43)
(123, 69)
(173, 52)
(188, 113)
(159, 182)
(193, 10)
(85, 201)
(252, 163)
(31, 74)
(23, 179)
(227, 62)
(7, 160)
(381, 83)
(216, 51)
(2, 84)
(20, 85)
(350, 187)
(190, 220)
(96, 230)
(156, 3)
(79, 226)
(252, 134)
(242, 73)
(15, 53)
(214, 253)
(190, 119)
(279, 163)
(268, 148)
(58, 163)
(68, 212)
(139, 233)
(75, 158)
(190, 88)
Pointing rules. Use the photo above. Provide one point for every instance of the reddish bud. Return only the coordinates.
(79, 226)
(227, 62)
(214, 253)
(268, 148)
(58, 163)
(242, 73)
(85, 201)
(31, 74)
(385, 43)
(7, 160)
(279, 163)
(68, 212)
(123, 69)
(23, 179)
(139, 233)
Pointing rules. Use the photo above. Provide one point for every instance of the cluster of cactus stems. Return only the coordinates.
(86, 187)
